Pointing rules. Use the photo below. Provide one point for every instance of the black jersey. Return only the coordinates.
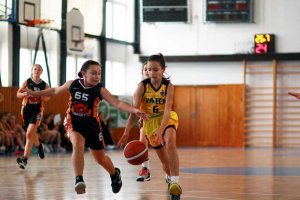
(31, 101)
(83, 101)
(32, 107)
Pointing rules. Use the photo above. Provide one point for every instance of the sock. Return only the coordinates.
(78, 179)
(146, 164)
(175, 179)
(25, 158)
(40, 146)
(114, 176)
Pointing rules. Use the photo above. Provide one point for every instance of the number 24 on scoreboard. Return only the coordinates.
(264, 43)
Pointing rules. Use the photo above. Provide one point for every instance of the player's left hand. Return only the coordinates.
(142, 115)
(158, 138)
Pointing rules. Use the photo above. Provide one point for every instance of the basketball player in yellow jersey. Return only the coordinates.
(154, 96)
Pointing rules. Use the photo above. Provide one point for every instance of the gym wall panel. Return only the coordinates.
(56, 104)
(209, 116)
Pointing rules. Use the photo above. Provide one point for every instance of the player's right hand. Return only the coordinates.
(297, 95)
(123, 141)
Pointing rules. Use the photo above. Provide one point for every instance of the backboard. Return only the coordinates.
(29, 10)
(75, 31)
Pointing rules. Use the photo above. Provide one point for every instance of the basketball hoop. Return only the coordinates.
(77, 42)
(36, 22)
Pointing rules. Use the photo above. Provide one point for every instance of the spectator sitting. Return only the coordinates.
(8, 135)
(51, 135)
(18, 131)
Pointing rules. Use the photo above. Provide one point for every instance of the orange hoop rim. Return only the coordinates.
(36, 22)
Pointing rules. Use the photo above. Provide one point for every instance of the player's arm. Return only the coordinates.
(137, 99)
(294, 94)
(46, 98)
(49, 91)
(20, 93)
(166, 116)
(121, 105)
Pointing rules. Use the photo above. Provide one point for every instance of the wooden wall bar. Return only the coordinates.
(208, 115)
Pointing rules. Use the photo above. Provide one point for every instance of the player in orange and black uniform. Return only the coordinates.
(82, 122)
(82, 113)
(32, 107)
(32, 111)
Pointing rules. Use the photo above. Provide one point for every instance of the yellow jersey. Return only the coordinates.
(153, 101)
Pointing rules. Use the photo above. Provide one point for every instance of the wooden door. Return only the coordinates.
(185, 106)
(210, 115)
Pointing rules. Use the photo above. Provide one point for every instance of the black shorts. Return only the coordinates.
(90, 130)
(31, 115)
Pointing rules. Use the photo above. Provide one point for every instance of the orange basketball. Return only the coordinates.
(136, 152)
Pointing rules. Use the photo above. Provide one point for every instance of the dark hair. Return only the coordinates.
(145, 63)
(85, 66)
(158, 58)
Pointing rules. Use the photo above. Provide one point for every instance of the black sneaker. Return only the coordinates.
(41, 151)
(22, 162)
(116, 182)
(80, 187)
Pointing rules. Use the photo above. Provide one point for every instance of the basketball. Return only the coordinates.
(136, 152)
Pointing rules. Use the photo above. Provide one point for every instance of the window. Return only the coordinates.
(120, 20)
(74, 62)
(92, 12)
(115, 77)
(26, 56)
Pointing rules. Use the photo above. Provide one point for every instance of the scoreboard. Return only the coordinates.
(229, 10)
(264, 43)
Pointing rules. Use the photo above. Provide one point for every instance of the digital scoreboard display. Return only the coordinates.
(229, 11)
(264, 43)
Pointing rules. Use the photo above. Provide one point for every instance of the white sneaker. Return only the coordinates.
(167, 179)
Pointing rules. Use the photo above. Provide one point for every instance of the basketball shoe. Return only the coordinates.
(80, 187)
(22, 162)
(174, 190)
(116, 181)
(144, 175)
(41, 151)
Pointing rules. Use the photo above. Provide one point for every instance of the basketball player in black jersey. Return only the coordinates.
(32, 111)
(82, 121)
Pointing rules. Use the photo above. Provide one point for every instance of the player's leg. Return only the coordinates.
(30, 140)
(78, 142)
(144, 173)
(37, 142)
(170, 145)
(115, 173)
(163, 157)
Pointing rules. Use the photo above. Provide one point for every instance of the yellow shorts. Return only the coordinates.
(152, 125)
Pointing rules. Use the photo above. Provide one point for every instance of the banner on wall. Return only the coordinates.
(117, 118)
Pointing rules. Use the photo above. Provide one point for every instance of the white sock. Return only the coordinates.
(146, 164)
(175, 179)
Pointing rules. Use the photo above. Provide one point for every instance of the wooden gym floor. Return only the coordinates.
(206, 173)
